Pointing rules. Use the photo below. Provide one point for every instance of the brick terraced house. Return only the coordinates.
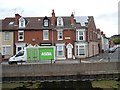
(73, 37)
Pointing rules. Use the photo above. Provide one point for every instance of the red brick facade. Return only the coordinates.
(33, 34)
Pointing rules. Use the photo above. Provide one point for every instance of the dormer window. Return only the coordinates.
(21, 22)
(59, 21)
(45, 22)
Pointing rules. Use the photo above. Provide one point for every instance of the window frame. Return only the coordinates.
(22, 22)
(58, 34)
(5, 51)
(6, 38)
(78, 36)
(81, 48)
(46, 22)
(60, 22)
(62, 50)
(78, 49)
(44, 36)
(21, 35)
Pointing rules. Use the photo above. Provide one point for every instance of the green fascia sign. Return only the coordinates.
(47, 53)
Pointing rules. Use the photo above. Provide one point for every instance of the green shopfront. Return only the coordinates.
(40, 53)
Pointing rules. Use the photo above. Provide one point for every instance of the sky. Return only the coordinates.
(105, 12)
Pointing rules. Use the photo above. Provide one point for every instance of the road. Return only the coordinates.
(106, 57)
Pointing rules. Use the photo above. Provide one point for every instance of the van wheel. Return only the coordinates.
(14, 63)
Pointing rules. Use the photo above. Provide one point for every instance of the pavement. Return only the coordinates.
(55, 62)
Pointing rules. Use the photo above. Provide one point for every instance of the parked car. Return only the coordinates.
(112, 49)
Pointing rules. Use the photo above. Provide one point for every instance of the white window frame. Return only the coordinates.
(5, 51)
(46, 23)
(78, 35)
(59, 21)
(78, 50)
(45, 37)
(6, 36)
(21, 22)
(20, 36)
(20, 45)
(58, 34)
(62, 50)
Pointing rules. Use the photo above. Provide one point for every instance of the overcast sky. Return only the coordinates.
(105, 12)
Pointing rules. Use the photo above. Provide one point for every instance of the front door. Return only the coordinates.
(69, 52)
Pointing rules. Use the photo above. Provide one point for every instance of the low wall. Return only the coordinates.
(59, 69)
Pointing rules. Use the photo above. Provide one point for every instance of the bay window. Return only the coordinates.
(80, 50)
(60, 50)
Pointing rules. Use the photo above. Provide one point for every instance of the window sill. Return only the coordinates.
(6, 40)
(80, 40)
(20, 40)
(60, 39)
(45, 39)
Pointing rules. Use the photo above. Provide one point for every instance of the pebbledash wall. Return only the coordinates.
(74, 37)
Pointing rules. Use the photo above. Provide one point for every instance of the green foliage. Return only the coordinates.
(64, 85)
(116, 40)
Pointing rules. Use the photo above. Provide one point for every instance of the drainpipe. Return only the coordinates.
(88, 49)
(93, 49)
(52, 35)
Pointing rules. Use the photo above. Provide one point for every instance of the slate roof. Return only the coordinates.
(81, 19)
(37, 23)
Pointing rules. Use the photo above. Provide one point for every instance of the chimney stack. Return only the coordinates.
(17, 16)
(53, 18)
(72, 19)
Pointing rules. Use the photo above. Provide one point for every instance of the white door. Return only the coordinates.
(69, 52)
